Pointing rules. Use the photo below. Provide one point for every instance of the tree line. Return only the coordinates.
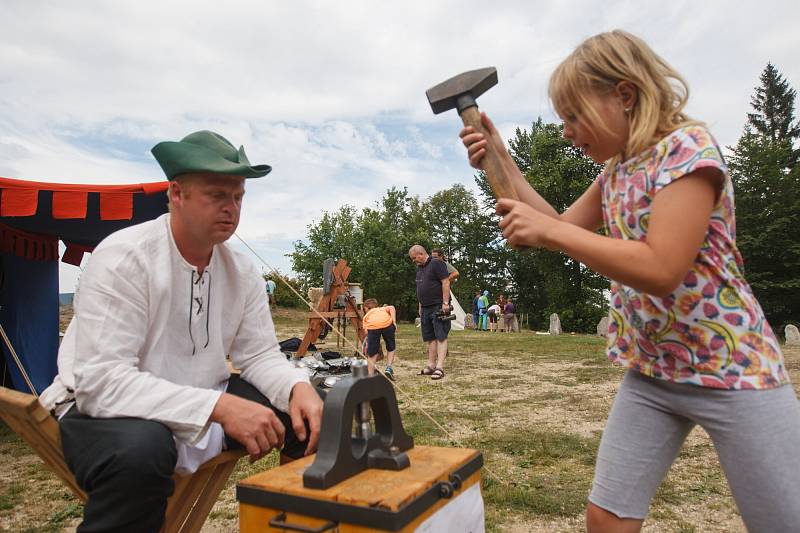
(375, 240)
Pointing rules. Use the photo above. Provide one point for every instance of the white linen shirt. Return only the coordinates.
(149, 335)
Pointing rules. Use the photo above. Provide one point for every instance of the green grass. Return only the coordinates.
(56, 521)
(530, 472)
(534, 405)
(10, 443)
(544, 472)
(72, 510)
(244, 468)
(223, 515)
(540, 448)
(6, 435)
(11, 496)
(543, 495)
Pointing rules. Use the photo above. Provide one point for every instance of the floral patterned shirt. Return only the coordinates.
(710, 331)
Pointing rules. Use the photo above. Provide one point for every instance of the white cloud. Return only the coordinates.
(332, 94)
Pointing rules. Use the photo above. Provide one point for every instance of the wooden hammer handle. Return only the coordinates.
(498, 179)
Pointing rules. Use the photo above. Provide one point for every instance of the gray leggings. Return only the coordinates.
(756, 434)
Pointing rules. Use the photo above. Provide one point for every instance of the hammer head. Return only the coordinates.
(461, 91)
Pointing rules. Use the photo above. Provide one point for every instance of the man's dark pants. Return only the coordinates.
(125, 465)
(431, 327)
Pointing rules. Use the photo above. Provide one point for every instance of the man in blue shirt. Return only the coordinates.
(433, 293)
(475, 313)
(271, 292)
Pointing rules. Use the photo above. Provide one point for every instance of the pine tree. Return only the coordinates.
(773, 120)
(766, 179)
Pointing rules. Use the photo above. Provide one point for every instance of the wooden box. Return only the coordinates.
(442, 486)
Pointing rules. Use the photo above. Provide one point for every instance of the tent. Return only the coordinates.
(34, 217)
(458, 323)
(461, 316)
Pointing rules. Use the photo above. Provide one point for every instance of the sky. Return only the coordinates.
(332, 94)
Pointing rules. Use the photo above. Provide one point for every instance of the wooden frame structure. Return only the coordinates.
(327, 310)
(187, 508)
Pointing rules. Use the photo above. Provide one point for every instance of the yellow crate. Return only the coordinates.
(373, 500)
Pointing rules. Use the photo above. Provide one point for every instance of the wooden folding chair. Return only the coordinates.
(194, 495)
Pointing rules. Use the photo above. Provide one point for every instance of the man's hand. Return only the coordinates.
(257, 427)
(305, 404)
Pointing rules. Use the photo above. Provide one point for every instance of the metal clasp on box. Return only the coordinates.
(279, 522)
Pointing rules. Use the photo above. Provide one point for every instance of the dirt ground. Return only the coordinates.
(534, 405)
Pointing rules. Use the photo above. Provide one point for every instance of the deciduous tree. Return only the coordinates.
(550, 282)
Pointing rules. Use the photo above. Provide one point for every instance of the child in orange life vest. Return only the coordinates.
(683, 319)
(379, 322)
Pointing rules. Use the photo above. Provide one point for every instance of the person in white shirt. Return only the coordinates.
(494, 314)
(143, 388)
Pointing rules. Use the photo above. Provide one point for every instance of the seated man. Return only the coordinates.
(159, 307)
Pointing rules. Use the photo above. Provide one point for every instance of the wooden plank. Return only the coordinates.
(16, 404)
(194, 495)
(386, 489)
(186, 498)
(27, 418)
(196, 519)
(254, 519)
(312, 334)
(173, 504)
(333, 314)
(196, 489)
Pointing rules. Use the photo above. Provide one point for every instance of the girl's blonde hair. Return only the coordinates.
(603, 61)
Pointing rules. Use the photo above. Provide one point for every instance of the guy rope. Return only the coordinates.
(360, 352)
(16, 360)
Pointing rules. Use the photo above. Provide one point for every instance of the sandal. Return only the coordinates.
(438, 373)
(427, 371)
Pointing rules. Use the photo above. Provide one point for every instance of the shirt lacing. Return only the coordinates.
(199, 301)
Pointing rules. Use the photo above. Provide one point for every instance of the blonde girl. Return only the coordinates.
(683, 319)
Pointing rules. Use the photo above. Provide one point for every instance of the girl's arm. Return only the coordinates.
(584, 212)
(587, 211)
(677, 228)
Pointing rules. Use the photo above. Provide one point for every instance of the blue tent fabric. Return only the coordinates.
(29, 301)
(28, 294)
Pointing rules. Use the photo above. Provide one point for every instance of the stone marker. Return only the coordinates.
(602, 327)
(792, 335)
(555, 325)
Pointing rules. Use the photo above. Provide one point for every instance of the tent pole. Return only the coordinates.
(19, 363)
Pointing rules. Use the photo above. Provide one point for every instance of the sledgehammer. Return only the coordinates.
(460, 92)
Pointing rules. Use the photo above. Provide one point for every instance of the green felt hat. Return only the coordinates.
(205, 151)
